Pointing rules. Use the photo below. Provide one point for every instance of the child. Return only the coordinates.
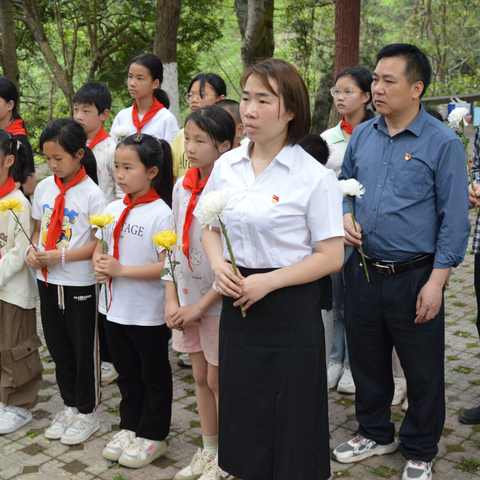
(135, 320)
(12, 122)
(91, 108)
(92, 104)
(233, 108)
(149, 113)
(209, 132)
(62, 207)
(20, 374)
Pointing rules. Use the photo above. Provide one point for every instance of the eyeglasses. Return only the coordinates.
(190, 96)
(347, 91)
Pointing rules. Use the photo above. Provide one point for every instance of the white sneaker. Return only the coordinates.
(346, 383)
(360, 448)
(60, 423)
(400, 391)
(417, 470)
(214, 472)
(197, 466)
(14, 418)
(184, 360)
(120, 441)
(82, 428)
(108, 373)
(405, 405)
(142, 452)
(334, 372)
(2, 407)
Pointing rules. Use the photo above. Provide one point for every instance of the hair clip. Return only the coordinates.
(137, 138)
(19, 144)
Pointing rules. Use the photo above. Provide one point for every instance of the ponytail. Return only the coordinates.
(162, 97)
(163, 182)
(10, 145)
(90, 163)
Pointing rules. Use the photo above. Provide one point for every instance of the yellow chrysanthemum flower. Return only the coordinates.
(166, 239)
(102, 220)
(14, 204)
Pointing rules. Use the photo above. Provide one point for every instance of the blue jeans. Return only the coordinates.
(339, 353)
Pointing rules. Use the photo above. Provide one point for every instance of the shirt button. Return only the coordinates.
(374, 208)
(391, 141)
(384, 163)
(379, 186)
(244, 237)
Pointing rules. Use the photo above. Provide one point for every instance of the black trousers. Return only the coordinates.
(477, 288)
(71, 335)
(380, 315)
(140, 356)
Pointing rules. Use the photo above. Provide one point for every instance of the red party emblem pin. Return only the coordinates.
(275, 199)
(407, 157)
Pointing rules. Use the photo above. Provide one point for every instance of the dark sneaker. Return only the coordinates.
(360, 448)
(417, 470)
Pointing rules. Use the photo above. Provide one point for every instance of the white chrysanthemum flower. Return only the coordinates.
(212, 206)
(119, 133)
(352, 187)
(456, 116)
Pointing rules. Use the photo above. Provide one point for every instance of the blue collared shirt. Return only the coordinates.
(416, 197)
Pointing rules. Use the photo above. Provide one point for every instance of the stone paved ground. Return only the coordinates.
(27, 455)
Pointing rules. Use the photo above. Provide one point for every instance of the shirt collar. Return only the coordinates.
(286, 156)
(337, 135)
(415, 127)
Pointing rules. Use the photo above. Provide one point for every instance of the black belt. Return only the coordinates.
(390, 268)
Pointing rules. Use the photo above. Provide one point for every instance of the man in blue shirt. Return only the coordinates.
(413, 225)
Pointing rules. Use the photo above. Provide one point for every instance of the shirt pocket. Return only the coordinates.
(410, 180)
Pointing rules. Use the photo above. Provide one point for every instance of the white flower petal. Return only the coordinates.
(120, 132)
(352, 187)
(456, 116)
(211, 207)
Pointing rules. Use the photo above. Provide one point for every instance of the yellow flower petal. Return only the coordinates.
(14, 204)
(102, 220)
(166, 239)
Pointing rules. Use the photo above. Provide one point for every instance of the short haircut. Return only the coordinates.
(232, 107)
(291, 90)
(214, 80)
(417, 68)
(317, 147)
(94, 93)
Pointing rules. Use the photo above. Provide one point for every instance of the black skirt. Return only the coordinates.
(273, 405)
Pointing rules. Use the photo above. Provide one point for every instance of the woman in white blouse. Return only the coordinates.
(286, 231)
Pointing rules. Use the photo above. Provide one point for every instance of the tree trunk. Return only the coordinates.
(165, 47)
(323, 103)
(255, 20)
(9, 48)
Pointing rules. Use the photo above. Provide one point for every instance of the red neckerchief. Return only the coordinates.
(16, 127)
(6, 188)
(152, 111)
(99, 137)
(190, 182)
(345, 126)
(56, 221)
(149, 197)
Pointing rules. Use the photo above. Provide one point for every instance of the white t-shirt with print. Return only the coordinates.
(163, 125)
(192, 286)
(136, 302)
(81, 201)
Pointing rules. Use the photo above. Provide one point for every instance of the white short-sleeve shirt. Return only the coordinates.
(136, 302)
(163, 125)
(277, 216)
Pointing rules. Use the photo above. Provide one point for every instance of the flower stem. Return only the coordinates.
(172, 273)
(105, 251)
(22, 229)
(360, 247)
(232, 258)
(469, 168)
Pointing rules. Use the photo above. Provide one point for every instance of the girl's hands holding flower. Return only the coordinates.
(52, 257)
(254, 288)
(32, 260)
(109, 266)
(227, 282)
(184, 316)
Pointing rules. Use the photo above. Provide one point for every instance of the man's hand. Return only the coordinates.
(430, 298)
(352, 238)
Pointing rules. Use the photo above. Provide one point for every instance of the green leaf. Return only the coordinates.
(164, 272)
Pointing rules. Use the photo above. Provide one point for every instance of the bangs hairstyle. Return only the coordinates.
(9, 145)
(216, 122)
(291, 90)
(154, 153)
(71, 136)
(94, 93)
(9, 92)
(417, 68)
(214, 80)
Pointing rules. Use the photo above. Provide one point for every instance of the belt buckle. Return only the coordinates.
(384, 269)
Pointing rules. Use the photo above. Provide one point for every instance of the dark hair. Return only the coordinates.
(434, 113)
(291, 89)
(363, 78)
(214, 80)
(94, 93)
(71, 136)
(9, 92)
(155, 67)
(232, 107)
(216, 122)
(417, 68)
(317, 147)
(154, 153)
(10, 145)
